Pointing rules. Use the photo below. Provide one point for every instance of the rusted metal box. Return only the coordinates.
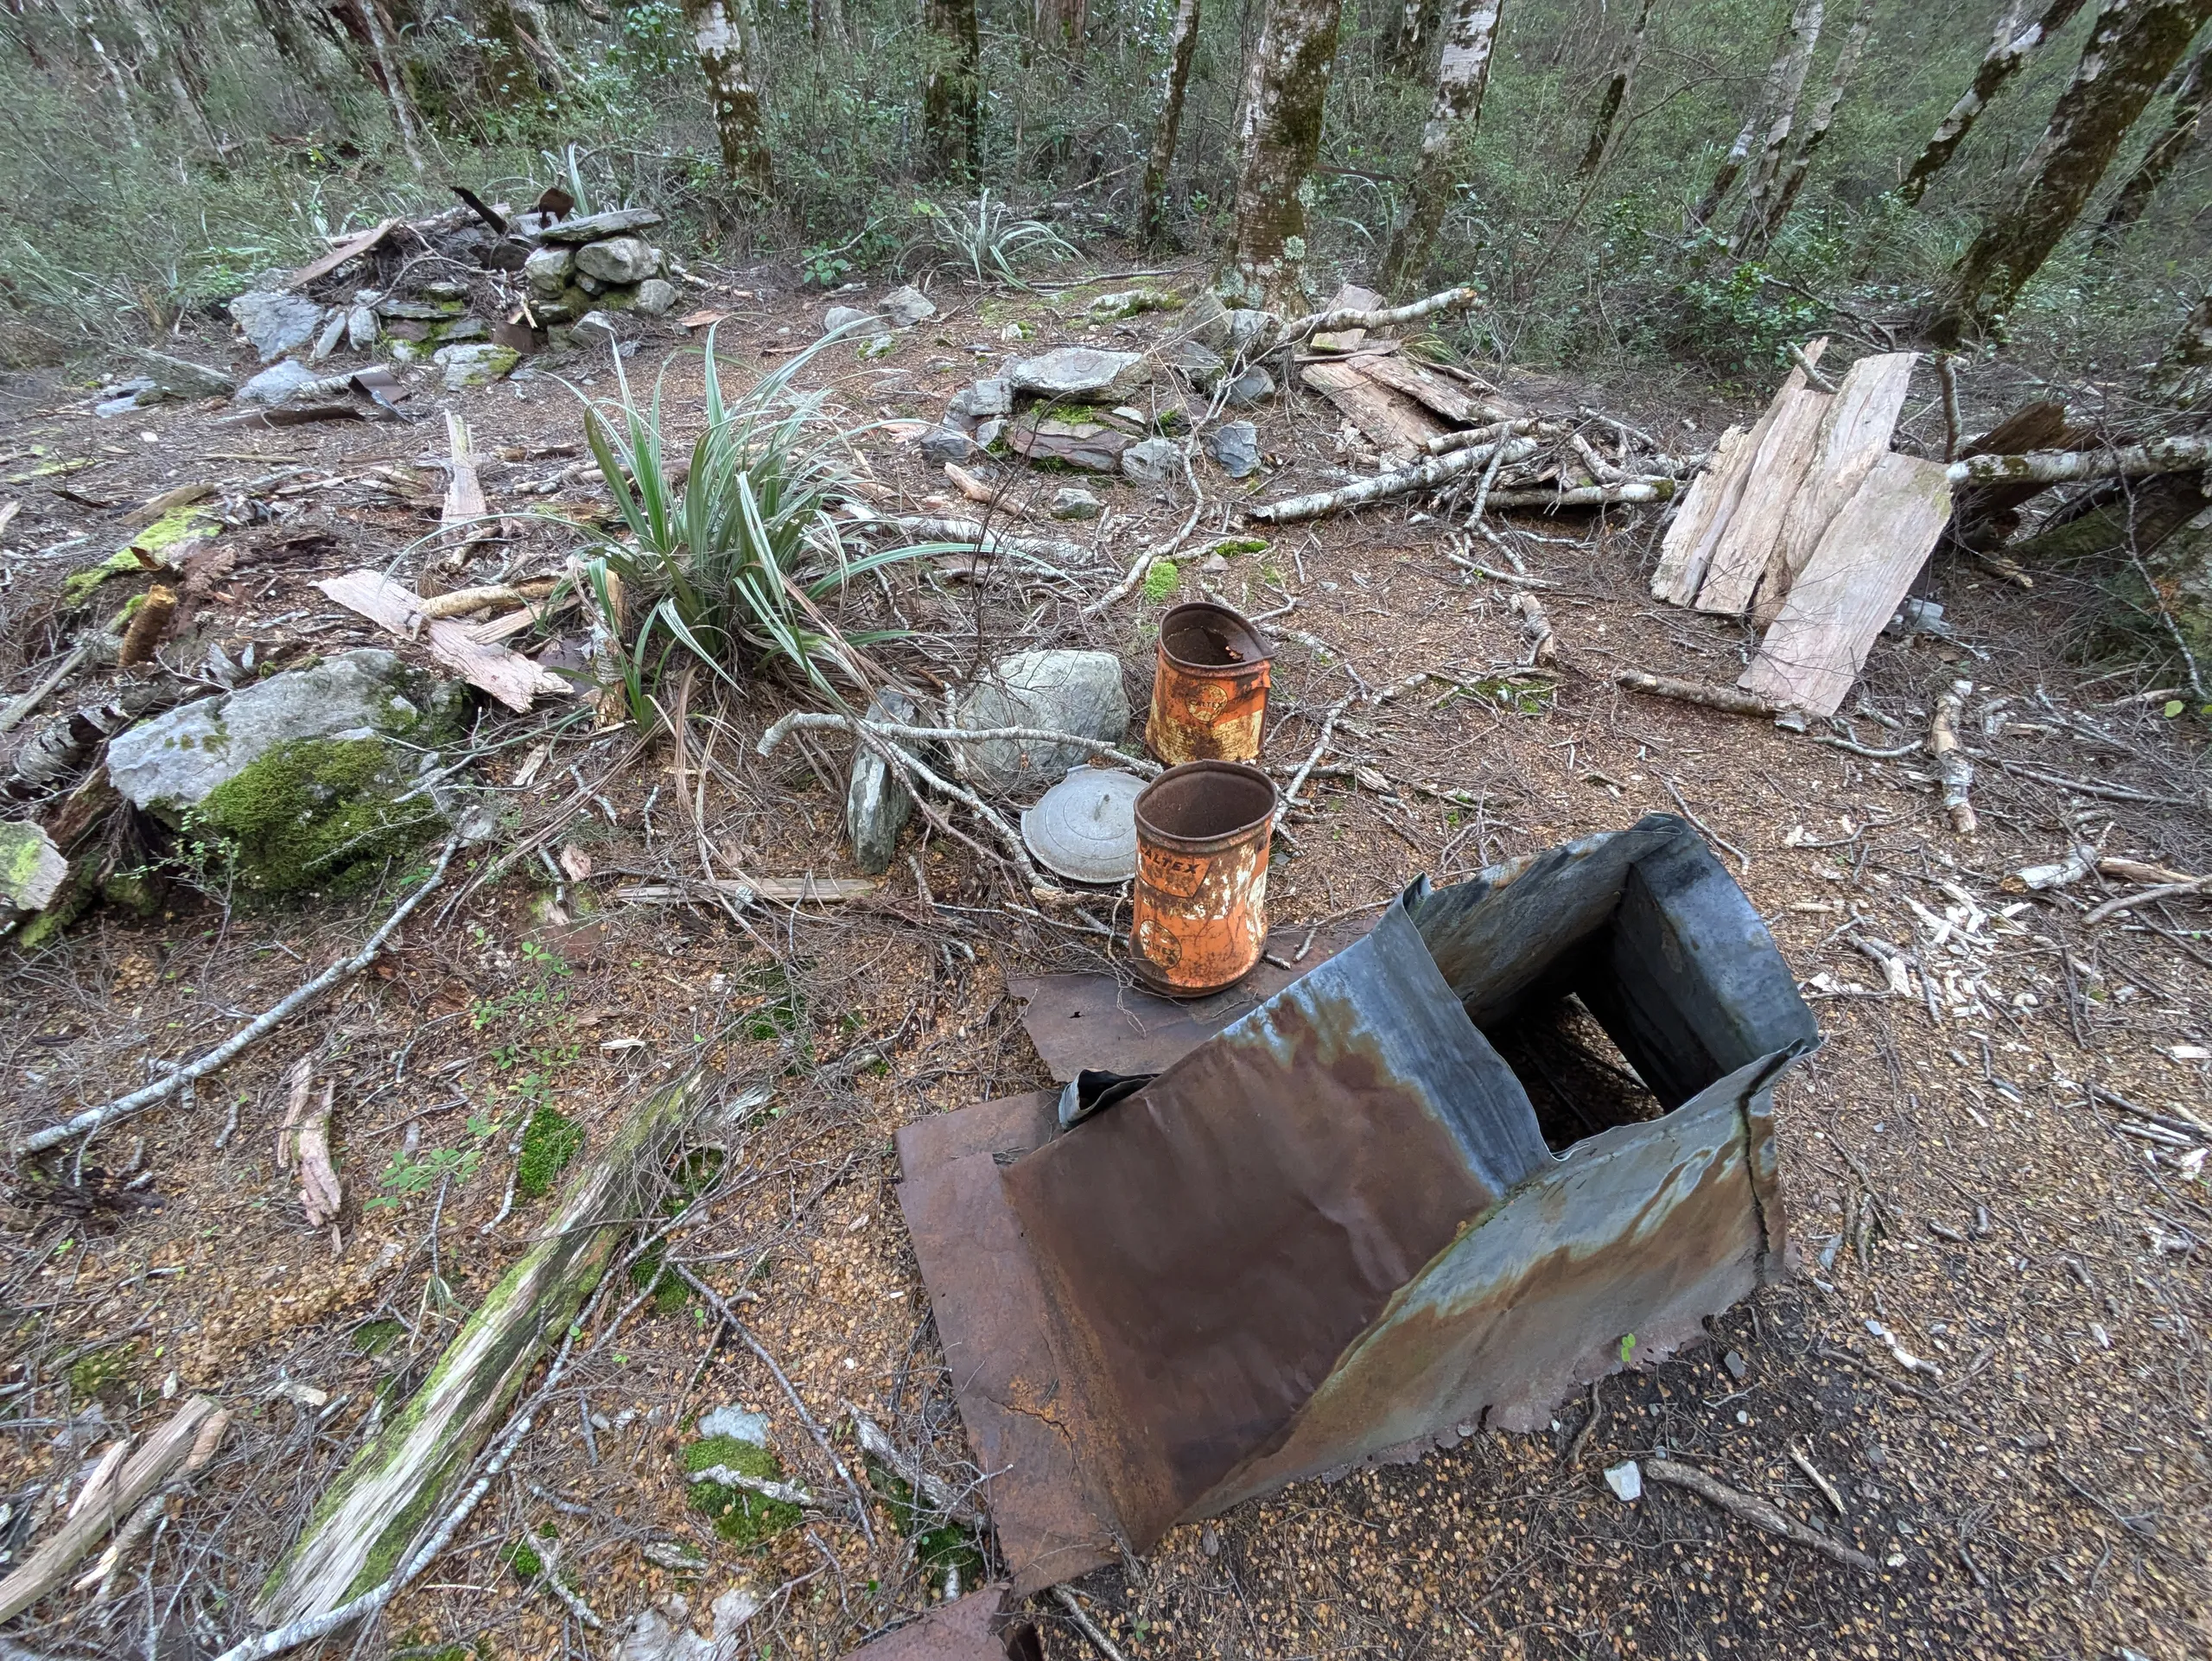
(1339, 1226)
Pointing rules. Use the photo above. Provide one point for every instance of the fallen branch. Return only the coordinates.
(100, 1579)
(1652, 489)
(1382, 486)
(1466, 437)
(2146, 897)
(106, 1499)
(93, 1120)
(783, 1493)
(1685, 691)
(60, 672)
(810, 719)
(1757, 1513)
(1331, 322)
(1159, 551)
(1814, 378)
(939, 1493)
(2183, 455)
(1951, 766)
(967, 533)
(1542, 648)
(1067, 1599)
(2091, 787)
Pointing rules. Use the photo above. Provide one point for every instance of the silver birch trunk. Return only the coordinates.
(1756, 236)
(1182, 46)
(2184, 133)
(2132, 47)
(1766, 173)
(1731, 164)
(2008, 54)
(1462, 76)
(1285, 87)
(1620, 87)
(719, 37)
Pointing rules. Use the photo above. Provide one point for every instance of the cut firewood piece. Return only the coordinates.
(102, 1506)
(1398, 425)
(1777, 472)
(1689, 553)
(1850, 587)
(1425, 387)
(1854, 434)
(398, 1483)
(507, 676)
(1349, 298)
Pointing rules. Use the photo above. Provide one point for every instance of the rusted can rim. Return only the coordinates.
(1204, 807)
(1202, 616)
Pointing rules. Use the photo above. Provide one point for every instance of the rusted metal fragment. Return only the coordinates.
(990, 1314)
(1209, 1246)
(977, 1627)
(1645, 1229)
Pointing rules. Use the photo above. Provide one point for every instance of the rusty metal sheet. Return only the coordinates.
(1209, 1246)
(975, 1627)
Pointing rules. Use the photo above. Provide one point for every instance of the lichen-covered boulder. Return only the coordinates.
(298, 782)
(1075, 692)
(275, 323)
(1079, 374)
(618, 259)
(477, 364)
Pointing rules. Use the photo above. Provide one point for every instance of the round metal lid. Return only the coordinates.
(1084, 828)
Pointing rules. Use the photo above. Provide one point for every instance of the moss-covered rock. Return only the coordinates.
(318, 813)
(148, 550)
(741, 1515)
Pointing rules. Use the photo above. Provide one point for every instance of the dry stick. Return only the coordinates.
(1158, 551)
(821, 1437)
(93, 1120)
(1483, 490)
(1066, 1599)
(809, 720)
(1757, 1513)
(1947, 371)
(2089, 787)
(1686, 691)
(2148, 896)
(1711, 835)
(1329, 322)
(1951, 766)
(60, 672)
(1654, 488)
(1382, 486)
(939, 1493)
(1828, 1488)
(1541, 646)
(1465, 437)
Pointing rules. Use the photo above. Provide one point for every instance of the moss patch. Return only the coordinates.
(102, 1369)
(320, 812)
(375, 1336)
(154, 543)
(1162, 580)
(741, 1517)
(549, 1141)
(946, 1545)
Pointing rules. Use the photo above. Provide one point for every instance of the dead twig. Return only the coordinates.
(1951, 766)
(93, 1120)
(1085, 1624)
(1707, 830)
(2147, 896)
(1757, 1513)
(1727, 699)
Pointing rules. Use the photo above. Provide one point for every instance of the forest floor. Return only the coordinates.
(2042, 1489)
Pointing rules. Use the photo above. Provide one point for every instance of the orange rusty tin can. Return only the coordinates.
(1210, 692)
(1201, 899)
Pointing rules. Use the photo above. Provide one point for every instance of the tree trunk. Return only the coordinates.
(2182, 135)
(1416, 38)
(1286, 86)
(826, 18)
(719, 39)
(281, 20)
(364, 22)
(1462, 75)
(367, 1520)
(1182, 46)
(1755, 236)
(2183, 377)
(1766, 173)
(951, 112)
(1771, 95)
(1619, 89)
(161, 57)
(2134, 45)
(2008, 54)
(1060, 26)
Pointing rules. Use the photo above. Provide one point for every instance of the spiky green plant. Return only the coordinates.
(991, 239)
(731, 565)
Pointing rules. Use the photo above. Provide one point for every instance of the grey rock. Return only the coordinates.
(362, 328)
(1128, 302)
(417, 311)
(839, 317)
(982, 400)
(988, 430)
(736, 1422)
(946, 444)
(617, 222)
(1071, 503)
(332, 335)
(275, 323)
(1253, 386)
(906, 306)
(1626, 1480)
(277, 383)
(1153, 462)
(1197, 364)
(596, 328)
(445, 289)
(124, 403)
(31, 869)
(1249, 331)
(618, 259)
(1077, 692)
(463, 328)
(1235, 447)
(656, 296)
(1213, 565)
(877, 806)
(170, 762)
(1736, 1366)
(547, 271)
(651, 1636)
(476, 364)
(1089, 446)
(181, 378)
(1082, 374)
(1206, 322)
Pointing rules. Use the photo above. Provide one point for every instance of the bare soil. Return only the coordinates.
(2040, 1487)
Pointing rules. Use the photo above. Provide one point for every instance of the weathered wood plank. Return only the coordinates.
(1854, 435)
(1424, 387)
(1398, 425)
(1778, 473)
(1851, 586)
(391, 1491)
(1349, 298)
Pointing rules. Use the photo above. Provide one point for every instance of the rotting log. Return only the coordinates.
(391, 1491)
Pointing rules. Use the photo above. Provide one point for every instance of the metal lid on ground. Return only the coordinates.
(1084, 828)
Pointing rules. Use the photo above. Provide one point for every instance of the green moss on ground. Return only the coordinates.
(741, 1515)
(1162, 580)
(525, 1560)
(549, 1141)
(100, 1370)
(316, 813)
(941, 1547)
(375, 1336)
(155, 541)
